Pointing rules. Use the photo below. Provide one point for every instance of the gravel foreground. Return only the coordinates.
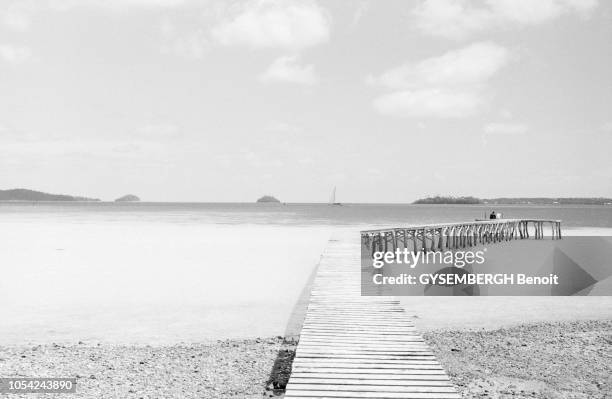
(223, 369)
(548, 360)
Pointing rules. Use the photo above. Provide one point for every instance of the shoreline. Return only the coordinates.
(538, 360)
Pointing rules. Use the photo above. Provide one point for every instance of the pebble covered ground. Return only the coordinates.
(548, 360)
(224, 369)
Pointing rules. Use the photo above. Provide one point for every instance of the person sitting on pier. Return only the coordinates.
(493, 215)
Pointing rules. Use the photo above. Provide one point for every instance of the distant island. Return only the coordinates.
(448, 200)
(128, 198)
(22, 194)
(551, 201)
(515, 201)
(268, 198)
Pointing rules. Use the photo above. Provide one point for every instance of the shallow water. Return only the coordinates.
(157, 273)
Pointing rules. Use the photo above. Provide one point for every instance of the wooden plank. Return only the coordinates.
(356, 347)
(356, 327)
(348, 370)
(367, 343)
(357, 338)
(361, 341)
(383, 382)
(363, 376)
(357, 334)
(362, 320)
(303, 361)
(365, 334)
(364, 347)
(361, 349)
(294, 393)
(371, 388)
(369, 366)
(310, 352)
(370, 357)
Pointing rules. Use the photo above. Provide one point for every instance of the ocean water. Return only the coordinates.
(182, 272)
(374, 215)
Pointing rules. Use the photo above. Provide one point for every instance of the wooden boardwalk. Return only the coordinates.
(360, 347)
(441, 236)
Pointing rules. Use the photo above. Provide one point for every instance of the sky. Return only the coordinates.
(185, 100)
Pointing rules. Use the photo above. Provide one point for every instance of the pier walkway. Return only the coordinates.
(439, 237)
(356, 347)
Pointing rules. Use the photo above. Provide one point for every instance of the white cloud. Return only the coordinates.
(459, 19)
(452, 19)
(15, 20)
(283, 127)
(14, 54)
(119, 4)
(437, 103)
(16, 15)
(467, 66)
(275, 23)
(158, 131)
(260, 160)
(506, 128)
(500, 129)
(361, 10)
(448, 86)
(193, 45)
(505, 113)
(530, 12)
(287, 69)
(147, 3)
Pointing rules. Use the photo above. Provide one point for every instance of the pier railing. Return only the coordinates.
(447, 236)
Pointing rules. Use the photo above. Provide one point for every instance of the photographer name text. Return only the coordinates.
(466, 279)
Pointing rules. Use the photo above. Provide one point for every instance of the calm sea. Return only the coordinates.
(171, 272)
(301, 214)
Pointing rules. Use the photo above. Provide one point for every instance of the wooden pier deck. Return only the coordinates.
(438, 237)
(356, 347)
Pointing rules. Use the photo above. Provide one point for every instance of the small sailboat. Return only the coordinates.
(332, 198)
